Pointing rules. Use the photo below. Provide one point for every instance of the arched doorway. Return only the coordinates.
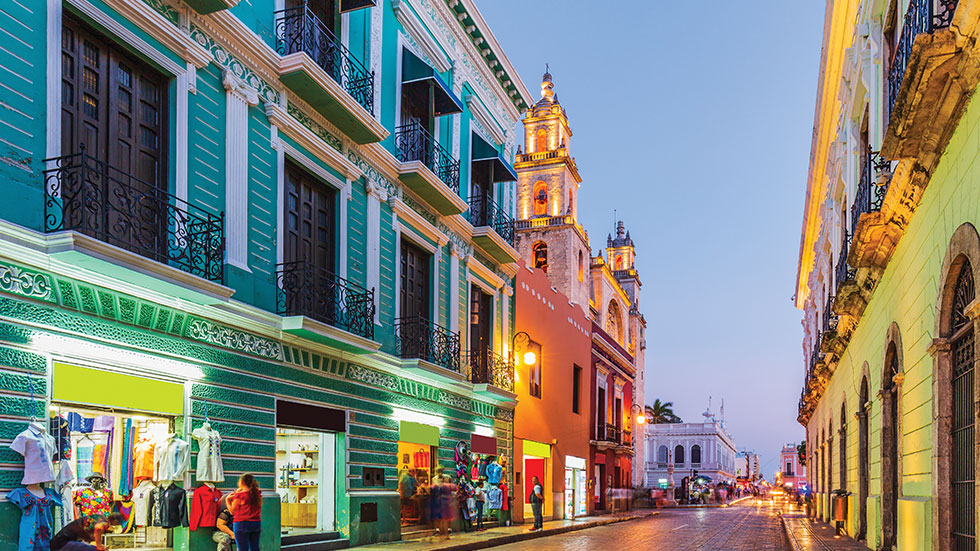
(863, 461)
(963, 399)
(889, 447)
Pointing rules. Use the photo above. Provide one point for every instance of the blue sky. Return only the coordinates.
(692, 120)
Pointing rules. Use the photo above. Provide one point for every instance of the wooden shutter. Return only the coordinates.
(310, 219)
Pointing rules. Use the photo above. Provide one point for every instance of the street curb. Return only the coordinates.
(523, 536)
(707, 506)
(793, 542)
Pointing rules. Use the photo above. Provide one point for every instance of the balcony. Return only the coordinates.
(324, 307)
(316, 66)
(493, 229)
(428, 169)
(607, 436)
(112, 221)
(417, 338)
(872, 187)
(485, 367)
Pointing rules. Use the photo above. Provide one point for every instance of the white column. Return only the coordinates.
(436, 258)
(239, 97)
(455, 254)
(345, 199)
(375, 194)
(53, 96)
(186, 84)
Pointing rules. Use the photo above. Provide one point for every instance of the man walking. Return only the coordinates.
(537, 499)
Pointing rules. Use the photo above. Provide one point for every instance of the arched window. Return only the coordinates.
(679, 455)
(662, 454)
(539, 252)
(863, 464)
(581, 267)
(614, 321)
(962, 348)
(889, 447)
(540, 199)
(540, 140)
(571, 202)
(696, 454)
(619, 262)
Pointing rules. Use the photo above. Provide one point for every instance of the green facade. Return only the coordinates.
(232, 355)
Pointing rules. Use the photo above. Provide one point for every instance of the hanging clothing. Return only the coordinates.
(143, 459)
(209, 464)
(504, 503)
(141, 501)
(37, 447)
(103, 423)
(58, 428)
(205, 504)
(63, 485)
(93, 502)
(84, 454)
(125, 510)
(493, 497)
(125, 469)
(77, 423)
(99, 459)
(36, 521)
(171, 459)
(494, 471)
(171, 508)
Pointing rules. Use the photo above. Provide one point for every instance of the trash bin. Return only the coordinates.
(840, 507)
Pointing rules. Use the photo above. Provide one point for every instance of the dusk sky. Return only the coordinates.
(692, 120)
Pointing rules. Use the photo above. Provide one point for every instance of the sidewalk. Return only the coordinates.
(810, 535)
(504, 534)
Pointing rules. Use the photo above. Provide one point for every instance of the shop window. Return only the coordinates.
(305, 481)
(576, 387)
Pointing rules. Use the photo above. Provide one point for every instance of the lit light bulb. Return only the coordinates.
(530, 358)
(641, 419)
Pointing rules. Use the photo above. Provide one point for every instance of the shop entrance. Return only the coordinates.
(575, 493)
(416, 467)
(307, 466)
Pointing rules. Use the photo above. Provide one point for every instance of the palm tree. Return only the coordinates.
(661, 412)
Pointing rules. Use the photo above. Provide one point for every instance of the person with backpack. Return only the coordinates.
(537, 500)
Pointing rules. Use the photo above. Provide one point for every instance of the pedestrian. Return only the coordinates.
(537, 500)
(85, 533)
(480, 495)
(447, 497)
(245, 505)
(435, 504)
(223, 535)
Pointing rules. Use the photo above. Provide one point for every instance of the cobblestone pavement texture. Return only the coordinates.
(750, 525)
(808, 535)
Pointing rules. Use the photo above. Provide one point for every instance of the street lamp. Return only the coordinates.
(638, 411)
(529, 357)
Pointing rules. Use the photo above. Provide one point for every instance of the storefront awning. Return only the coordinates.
(417, 74)
(484, 152)
(351, 5)
(83, 385)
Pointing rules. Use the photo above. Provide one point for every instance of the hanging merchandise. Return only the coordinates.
(125, 509)
(37, 447)
(422, 459)
(143, 459)
(141, 501)
(95, 499)
(63, 484)
(84, 453)
(205, 504)
(77, 423)
(58, 428)
(125, 469)
(209, 464)
(36, 521)
(171, 458)
(170, 506)
(494, 472)
(493, 497)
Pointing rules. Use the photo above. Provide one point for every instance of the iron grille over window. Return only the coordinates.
(306, 290)
(414, 143)
(299, 30)
(923, 16)
(89, 196)
(488, 367)
(486, 212)
(417, 337)
(870, 191)
(843, 272)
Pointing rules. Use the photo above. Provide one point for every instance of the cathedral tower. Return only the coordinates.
(548, 234)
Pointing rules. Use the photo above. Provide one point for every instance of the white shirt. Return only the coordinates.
(141, 498)
(37, 447)
(209, 467)
(171, 458)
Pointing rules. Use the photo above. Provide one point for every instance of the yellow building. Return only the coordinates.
(889, 254)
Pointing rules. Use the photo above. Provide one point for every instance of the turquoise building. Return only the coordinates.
(290, 222)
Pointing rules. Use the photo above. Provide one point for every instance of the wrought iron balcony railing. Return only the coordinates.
(815, 355)
(299, 30)
(872, 186)
(306, 290)
(87, 195)
(830, 319)
(414, 143)
(488, 367)
(608, 433)
(923, 16)
(627, 438)
(843, 272)
(486, 212)
(417, 337)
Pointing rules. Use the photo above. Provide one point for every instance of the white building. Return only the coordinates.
(747, 465)
(706, 447)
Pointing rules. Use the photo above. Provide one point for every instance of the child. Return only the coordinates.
(480, 495)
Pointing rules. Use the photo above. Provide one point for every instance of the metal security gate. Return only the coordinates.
(964, 503)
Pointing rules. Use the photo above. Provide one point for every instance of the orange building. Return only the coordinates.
(552, 422)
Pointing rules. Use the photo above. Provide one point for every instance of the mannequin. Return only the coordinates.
(209, 462)
(37, 522)
(95, 499)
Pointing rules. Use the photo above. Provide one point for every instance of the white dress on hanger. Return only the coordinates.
(209, 464)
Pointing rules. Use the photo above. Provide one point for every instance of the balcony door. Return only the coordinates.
(482, 194)
(324, 10)
(115, 106)
(481, 320)
(415, 278)
(310, 220)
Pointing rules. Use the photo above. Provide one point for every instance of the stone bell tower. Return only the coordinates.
(548, 234)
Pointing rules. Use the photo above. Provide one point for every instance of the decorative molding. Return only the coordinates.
(484, 119)
(26, 283)
(157, 24)
(224, 59)
(219, 335)
(168, 12)
(420, 36)
(477, 267)
(234, 84)
(239, 97)
(416, 221)
(318, 145)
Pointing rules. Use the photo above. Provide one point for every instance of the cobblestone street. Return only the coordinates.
(752, 524)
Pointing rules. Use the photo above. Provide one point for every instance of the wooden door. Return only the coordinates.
(481, 320)
(414, 281)
(310, 220)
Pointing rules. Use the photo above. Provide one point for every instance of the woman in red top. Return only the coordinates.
(245, 504)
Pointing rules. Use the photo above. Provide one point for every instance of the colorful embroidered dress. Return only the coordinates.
(36, 522)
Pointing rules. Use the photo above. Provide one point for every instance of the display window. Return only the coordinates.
(416, 467)
(110, 461)
(306, 480)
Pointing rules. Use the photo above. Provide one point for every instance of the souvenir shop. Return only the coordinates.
(306, 466)
(485, 465)
(576, 500)
(102, 451)
(418, 447)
